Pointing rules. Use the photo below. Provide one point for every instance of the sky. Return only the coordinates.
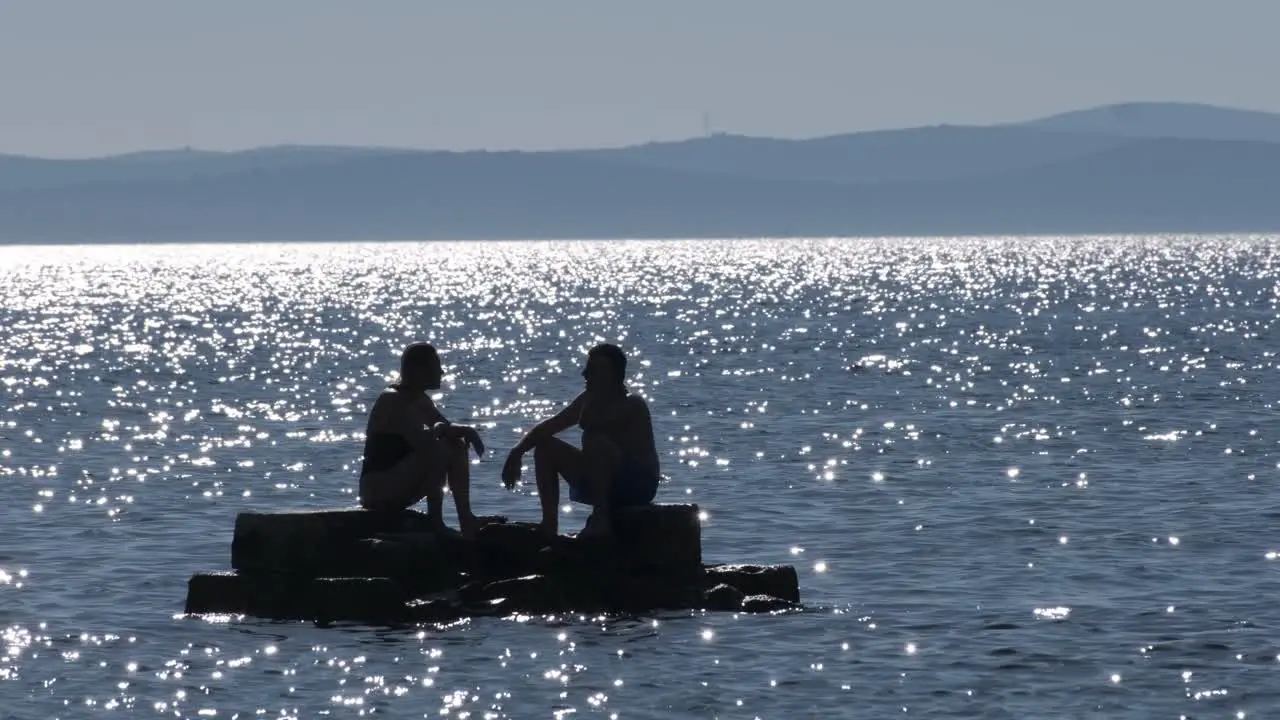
(90, 77)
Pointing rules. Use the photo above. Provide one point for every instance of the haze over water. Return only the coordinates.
(1020, 477)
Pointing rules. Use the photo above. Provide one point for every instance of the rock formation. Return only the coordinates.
(390, 568)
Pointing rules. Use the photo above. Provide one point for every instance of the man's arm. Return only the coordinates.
(553, 425)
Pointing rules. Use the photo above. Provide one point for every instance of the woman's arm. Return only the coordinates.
(419, 423)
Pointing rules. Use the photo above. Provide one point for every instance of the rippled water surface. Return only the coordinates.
(1020, 477)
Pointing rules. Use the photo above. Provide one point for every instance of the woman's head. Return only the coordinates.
(420, 368)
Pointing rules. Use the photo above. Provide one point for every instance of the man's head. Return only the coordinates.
(606, 367)
(420, 367)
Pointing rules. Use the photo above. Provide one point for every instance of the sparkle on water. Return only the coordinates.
(1018, 476)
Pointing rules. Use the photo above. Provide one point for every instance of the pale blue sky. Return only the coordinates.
(102, 76)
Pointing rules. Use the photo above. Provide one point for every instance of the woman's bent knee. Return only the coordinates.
(428, 460)
(455, 445)
(384, 499)
(397, 490)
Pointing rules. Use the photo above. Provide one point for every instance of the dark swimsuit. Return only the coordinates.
(384, 450)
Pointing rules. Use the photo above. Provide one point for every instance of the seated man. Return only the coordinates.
(618, 463)
(411, 450)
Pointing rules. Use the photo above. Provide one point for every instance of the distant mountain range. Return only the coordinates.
(1138, 167)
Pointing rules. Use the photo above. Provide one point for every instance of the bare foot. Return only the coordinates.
(469, 525)
(547, 532)
(440, 529)
(597, 526)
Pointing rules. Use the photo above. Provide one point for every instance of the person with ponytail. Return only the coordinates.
(412, 452)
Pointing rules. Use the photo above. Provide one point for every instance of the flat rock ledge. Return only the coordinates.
(391, 569)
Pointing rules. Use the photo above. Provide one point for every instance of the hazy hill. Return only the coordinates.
(22, 172)
(1146, 185)
(927, 153)
(947, 152)
(1165, 120)
(947, 180)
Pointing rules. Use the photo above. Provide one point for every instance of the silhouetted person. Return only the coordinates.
(411, 450)
(618, 463)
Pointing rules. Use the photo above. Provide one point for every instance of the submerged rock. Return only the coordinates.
(216, 593)
(434, 610)
(722, 597)
(766, 604)
(780, 581)
(358, 599)
(530, 594)
(266, 595)
(640, 594)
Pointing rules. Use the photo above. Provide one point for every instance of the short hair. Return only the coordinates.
(617, 359)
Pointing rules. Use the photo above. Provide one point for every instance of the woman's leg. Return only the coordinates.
(459, 477)
(419, 475)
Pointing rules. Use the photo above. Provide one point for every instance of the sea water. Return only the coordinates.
(1019, 477)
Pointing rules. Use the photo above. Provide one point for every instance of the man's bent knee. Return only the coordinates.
(546, 450)
(601, 450)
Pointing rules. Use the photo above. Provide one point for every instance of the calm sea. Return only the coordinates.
(1020, 477)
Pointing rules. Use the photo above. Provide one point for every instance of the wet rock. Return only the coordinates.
(216, 593)
(285, 542)
(301, 542)
(766, 604)
(507, 550)
(278, 596)
(531, 593)
(434, 610)
(570, 556)
(580, 571)
(266, 595)
(384, 555)
(722, 597)
(418, 561)
(652, 541)
(498, 607)
(472, 592)
(369, 600)
(511, 537)
(643, 594)
(780, 581)
(320, 543)
(659, 537)
(356, 565)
